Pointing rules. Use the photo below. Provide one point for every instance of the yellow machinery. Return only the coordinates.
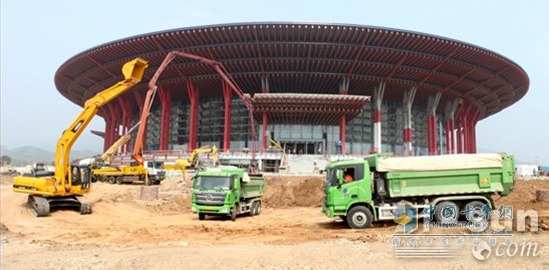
(275, 144)
(192, 161)
(107, 156)
(62, 189)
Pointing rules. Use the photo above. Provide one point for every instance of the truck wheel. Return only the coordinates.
(201, 216)
(253, 209)
(112, 180)
(475, 215)
(94, 179)
(447, 212)
(359, 217)
(258, 208)
(119, 180)
(233, 214)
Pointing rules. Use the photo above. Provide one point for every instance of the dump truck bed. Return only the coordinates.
(255, 187)
(446, 175)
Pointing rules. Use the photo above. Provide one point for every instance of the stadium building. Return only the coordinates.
(315, 88)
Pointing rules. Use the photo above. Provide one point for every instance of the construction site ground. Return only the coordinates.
(291, 233)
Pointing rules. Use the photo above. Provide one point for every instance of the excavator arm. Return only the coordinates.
(61, 183)
(108, 155)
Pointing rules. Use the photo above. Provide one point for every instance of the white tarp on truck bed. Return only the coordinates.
(438, 163)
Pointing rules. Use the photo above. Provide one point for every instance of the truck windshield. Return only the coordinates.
(331, 178)
(158, 165)
(212, 182)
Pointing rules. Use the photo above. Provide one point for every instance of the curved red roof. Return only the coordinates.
(306, 58)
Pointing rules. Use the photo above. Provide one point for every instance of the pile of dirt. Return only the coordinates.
(283, 192)
(523, 197)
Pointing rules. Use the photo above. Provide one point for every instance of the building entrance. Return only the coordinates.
(303, 148)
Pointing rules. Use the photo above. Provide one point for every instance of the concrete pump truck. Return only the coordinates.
(64, 188)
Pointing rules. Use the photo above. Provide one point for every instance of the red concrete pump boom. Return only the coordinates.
(218, 67)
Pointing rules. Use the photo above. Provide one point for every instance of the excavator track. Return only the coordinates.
(39, 205)
(42, 205)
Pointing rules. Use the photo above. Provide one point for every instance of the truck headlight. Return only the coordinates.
(193, 208)
(224, 210)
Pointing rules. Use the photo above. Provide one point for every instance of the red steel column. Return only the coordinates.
(448, 136)
(264, 89)
(464, 126)
(471, 135)
(227, 96)
(126, 121)
(432, 105)
(264, 132)
(452, 128)
(139, 99)
(342, 126)
(166, 100)
(193, 123)
(458, 136)
(474, 134)
(378, 93)
(106, 113)
(117, 121)
(407, 131)
(343, 90)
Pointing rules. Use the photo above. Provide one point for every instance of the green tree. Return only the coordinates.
(6, 159)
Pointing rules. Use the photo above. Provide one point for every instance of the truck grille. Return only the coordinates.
(210, 198)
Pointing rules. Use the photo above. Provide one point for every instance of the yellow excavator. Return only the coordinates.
(64, 188)
(274, 144)
(192, 161)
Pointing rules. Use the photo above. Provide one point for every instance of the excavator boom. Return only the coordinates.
(67, 182)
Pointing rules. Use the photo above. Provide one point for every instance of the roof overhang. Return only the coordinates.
(311, 109)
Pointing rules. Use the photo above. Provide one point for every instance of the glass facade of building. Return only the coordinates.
(304, 139)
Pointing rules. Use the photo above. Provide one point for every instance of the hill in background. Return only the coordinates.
(26, 155)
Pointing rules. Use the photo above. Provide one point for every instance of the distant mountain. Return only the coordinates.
(30, 154)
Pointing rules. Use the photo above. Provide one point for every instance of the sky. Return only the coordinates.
(37, 37)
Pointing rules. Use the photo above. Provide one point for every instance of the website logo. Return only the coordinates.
(406, 214)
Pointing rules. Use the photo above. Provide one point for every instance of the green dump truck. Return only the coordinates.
(227, 191)
(380, 182)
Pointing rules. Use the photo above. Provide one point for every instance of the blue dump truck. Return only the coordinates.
(226, 191)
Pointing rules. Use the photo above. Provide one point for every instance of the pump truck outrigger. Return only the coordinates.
(68, 182)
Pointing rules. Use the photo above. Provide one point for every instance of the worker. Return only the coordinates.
(348, 178)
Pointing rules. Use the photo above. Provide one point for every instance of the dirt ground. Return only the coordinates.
(126, 233)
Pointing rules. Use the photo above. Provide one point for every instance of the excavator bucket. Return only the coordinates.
(134, 69)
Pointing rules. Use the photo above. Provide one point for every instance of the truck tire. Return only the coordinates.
(477, 211)
(253, 209)
(112, 180)
(201, 216)
(258, 208)
(233, 214)
(447, 212)
(359, 217)
(476, 216)
(119, 180)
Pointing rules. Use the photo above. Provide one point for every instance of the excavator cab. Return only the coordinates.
(81, 176)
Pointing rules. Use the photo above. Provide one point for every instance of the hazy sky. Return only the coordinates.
(38, 36)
